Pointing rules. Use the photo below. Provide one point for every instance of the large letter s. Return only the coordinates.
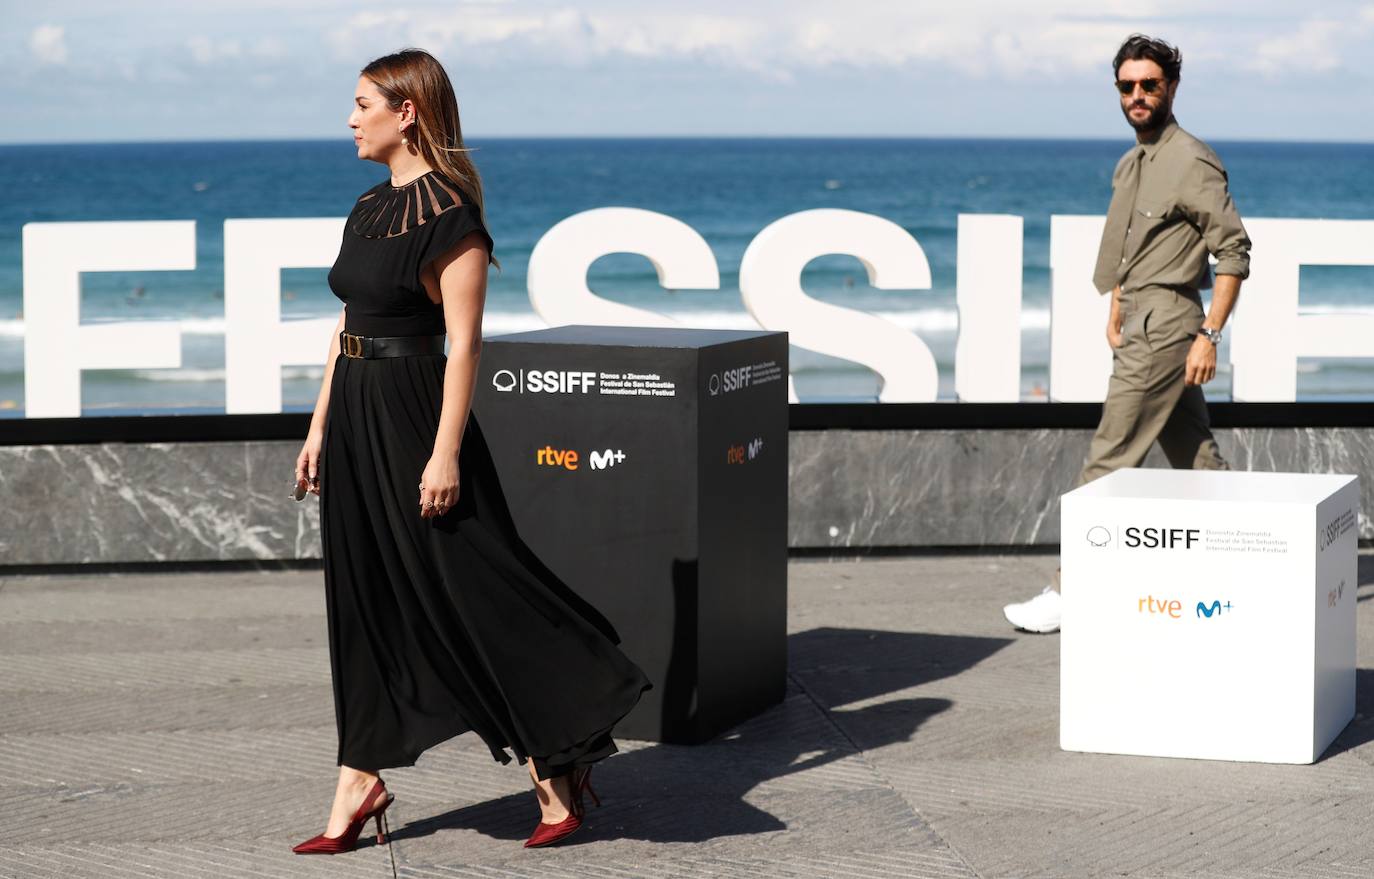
(770, 284)
(557, 274)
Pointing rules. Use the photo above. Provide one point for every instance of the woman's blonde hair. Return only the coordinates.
(417, 76)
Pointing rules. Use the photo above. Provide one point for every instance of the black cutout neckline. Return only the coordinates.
(388, 211)
(412, 182)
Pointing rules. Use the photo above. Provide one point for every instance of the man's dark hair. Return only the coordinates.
(1139, 47)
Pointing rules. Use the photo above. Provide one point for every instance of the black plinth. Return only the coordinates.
(648, 469)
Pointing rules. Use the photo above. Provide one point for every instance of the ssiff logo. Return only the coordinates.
(1162, 538)
(544, 381)
(729, 380)
(1148, 538)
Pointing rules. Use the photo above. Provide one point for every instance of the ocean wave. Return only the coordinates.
(288, 373)
(1332, 367)
(495, 323)
(936, 319)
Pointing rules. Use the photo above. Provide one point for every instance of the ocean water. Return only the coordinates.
(726, 189)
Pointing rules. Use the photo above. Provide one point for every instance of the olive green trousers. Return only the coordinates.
(1147, 399)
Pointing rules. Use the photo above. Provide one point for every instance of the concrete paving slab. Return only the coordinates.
(181, 725)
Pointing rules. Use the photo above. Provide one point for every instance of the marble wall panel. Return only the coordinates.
(906, 488)
(153, 502)
(208, 501)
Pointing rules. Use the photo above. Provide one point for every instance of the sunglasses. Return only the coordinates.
(1151, 86)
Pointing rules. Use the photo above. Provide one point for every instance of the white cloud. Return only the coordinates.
(48, 43)
(968, 66)
(207, 51)
(776, 38)
(269, 48)
(1317, 45)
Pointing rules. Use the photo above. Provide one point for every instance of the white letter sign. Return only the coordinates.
(1270, 335)
(770, 283)
(257, 342)
(987, 353)
(557, 274)
(57, 346)
(1080, 358)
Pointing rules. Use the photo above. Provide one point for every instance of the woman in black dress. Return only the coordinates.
(440, 620)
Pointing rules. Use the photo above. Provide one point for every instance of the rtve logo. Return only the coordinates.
(742, 454)
(1173, 608)
(544, 381)
(571, 460)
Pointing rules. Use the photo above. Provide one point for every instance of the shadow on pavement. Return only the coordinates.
(843, 666)
(1361, 729)
(677, 793)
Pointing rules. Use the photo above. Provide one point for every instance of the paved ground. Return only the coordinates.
(181, 725)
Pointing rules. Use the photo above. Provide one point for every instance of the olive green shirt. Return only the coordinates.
(1170, 207)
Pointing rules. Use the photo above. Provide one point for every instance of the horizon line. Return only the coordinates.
(684, 137)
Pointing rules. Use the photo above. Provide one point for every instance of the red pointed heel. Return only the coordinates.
(584, 785)
(548, 834)
(374, 805)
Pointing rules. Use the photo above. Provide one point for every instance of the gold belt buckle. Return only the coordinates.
(353, 345)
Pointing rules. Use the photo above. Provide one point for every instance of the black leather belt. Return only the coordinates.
(389, 346)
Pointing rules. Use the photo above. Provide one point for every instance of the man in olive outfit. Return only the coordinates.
(1170, 207)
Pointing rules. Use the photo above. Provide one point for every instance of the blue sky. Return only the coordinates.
(247, 69)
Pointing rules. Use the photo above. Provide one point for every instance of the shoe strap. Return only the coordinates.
(370, 801)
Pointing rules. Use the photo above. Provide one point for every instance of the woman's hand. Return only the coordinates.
(308, 462)
(439, 486)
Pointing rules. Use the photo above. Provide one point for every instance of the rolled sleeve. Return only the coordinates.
(1207, 201)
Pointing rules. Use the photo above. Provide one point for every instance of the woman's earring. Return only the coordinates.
(404, 142)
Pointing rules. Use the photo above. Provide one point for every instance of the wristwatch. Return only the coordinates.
(1213, 336)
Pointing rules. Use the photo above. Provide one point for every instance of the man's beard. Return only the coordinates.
(1158, 117)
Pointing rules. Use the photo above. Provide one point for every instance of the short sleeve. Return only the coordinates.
(444, 230)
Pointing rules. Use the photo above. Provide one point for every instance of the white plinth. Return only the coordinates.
(1208, 614)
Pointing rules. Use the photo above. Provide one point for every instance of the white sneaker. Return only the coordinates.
(1040, 614)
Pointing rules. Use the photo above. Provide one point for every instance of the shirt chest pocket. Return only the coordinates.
(1149, 213)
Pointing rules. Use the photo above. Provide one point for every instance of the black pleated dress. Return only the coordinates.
(439, 626)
